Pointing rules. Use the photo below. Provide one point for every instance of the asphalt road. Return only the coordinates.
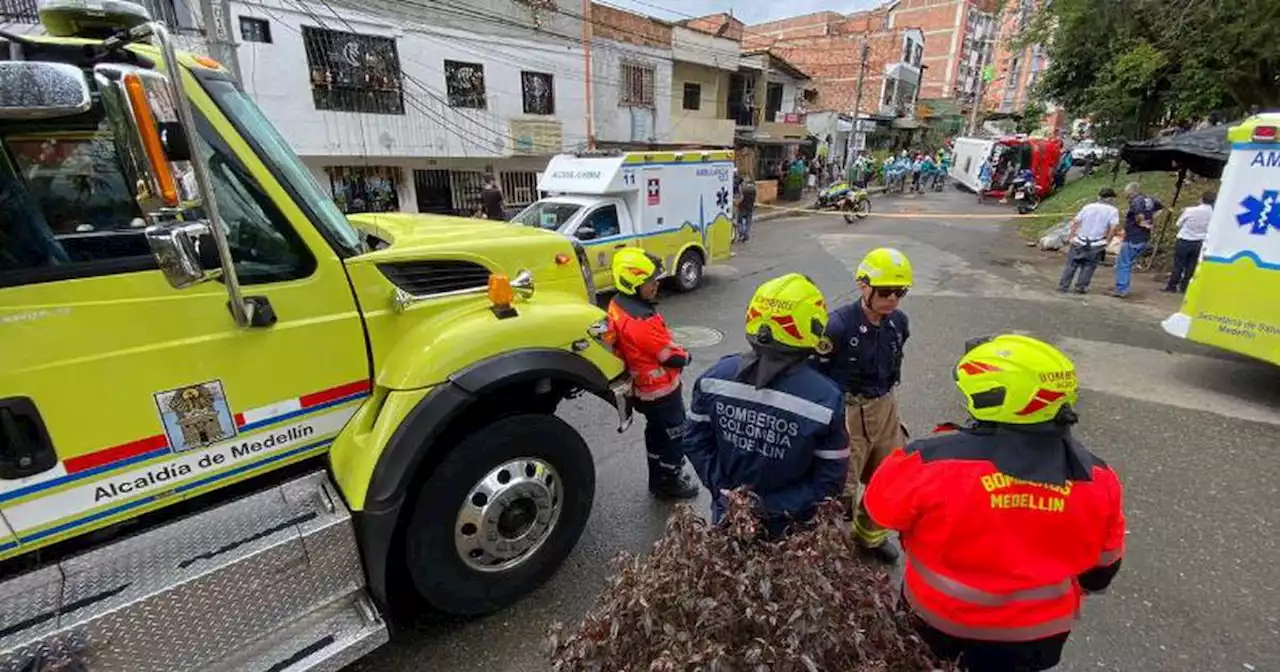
(1194, 434)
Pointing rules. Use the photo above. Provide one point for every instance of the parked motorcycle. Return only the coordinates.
(853, 202)
(1025, 196)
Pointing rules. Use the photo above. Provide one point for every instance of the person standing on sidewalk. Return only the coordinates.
(1138, 222)
(641, 340)
(862, 352)
(1091, 231)
(491, 199)
(1193, 228)
(746, 211)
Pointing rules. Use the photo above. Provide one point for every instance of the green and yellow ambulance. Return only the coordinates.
(677, 205)
(1233, 300)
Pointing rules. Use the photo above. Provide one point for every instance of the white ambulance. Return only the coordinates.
(677, 205)
(1233, 301)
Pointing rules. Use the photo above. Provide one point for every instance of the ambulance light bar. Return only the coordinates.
(1264, 134)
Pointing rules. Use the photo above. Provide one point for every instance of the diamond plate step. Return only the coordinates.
(271, 581)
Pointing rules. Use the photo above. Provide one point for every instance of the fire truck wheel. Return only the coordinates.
(688, 273)
(500, 514)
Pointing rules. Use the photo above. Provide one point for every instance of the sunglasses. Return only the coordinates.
(886, 292)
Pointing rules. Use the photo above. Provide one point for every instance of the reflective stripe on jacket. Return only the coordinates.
(785, 442)
(989, 556)
(642, 341)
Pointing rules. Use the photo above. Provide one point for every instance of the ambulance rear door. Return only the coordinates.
(715, 204)
(685, 203)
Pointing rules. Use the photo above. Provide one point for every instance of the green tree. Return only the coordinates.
(1133, 64)
(1032, 116)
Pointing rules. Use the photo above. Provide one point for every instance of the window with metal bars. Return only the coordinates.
(465, 84)
(519, 188)
(255, 30)
(635, 87)
(467, 186)
(353, 73)
(178, 15)
(18, 11)
(538, 91)
(358, 189)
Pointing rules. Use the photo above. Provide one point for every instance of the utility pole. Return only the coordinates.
(586, 66)
(857, 105)
(222, 46)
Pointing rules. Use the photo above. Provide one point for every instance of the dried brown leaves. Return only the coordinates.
(719, 599)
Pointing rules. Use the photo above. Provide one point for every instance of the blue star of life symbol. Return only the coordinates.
(722, 199)
(1260, 213)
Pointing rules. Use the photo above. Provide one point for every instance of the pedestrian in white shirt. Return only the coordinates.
(1091, 230)
(1193, 228)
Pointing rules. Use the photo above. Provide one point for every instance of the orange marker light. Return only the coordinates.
(563, 259)
(150, 132)
(500, 292)
(207, 62)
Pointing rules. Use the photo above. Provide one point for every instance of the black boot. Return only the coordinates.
(885, 553)
(672, 484)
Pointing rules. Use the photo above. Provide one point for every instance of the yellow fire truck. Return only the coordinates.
(235, 425)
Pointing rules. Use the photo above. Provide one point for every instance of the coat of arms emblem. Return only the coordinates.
(195, 416)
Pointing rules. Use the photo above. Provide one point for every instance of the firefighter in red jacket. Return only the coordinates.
(1007, 522)
(655, 362)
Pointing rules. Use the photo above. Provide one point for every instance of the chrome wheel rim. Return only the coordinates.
(689, 272)
(508, 515)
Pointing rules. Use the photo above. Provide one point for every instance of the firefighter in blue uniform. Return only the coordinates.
(862, 353)
(766, 419)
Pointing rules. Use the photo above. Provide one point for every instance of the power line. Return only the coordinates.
(466, 137)
(425, 87)
(499, 135)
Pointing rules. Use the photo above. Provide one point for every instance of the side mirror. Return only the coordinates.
(141, 108)
(40, 90)
(156, 155)
(586, 233)
(184, 251)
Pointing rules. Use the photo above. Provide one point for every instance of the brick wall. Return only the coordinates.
(619, 26)
(832, 62)
(721, 25)
(806, 25)
(828, 46)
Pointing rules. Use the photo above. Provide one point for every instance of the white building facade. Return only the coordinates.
(401, 108)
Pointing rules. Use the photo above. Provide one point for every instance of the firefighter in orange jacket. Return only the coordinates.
(655, 362)
(1007, 522)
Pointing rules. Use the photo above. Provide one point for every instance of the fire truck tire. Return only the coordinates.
(500, 514)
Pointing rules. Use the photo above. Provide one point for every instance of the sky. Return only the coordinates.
(748, 11)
